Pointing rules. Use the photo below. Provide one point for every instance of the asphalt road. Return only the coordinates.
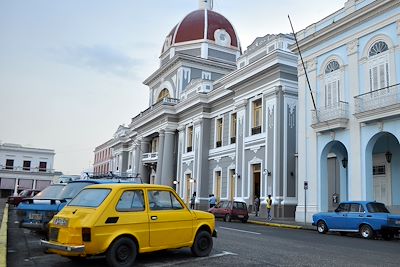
(237, 245)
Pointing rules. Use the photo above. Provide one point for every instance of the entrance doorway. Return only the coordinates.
(381, 176)
(232, 184)
(217, 192)
(256, 180)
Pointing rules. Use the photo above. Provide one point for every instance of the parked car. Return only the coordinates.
(122, 220)
(34, 209)
(228, 210)
(27, 193)
(366, 217)
(36, 213)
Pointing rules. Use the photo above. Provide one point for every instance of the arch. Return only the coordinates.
(164, 85)
(332, 66)
(329, 59)
(375, 39)
(333, 175)
(332, 82)
(164, 93)
(381, 143)
(377, 48)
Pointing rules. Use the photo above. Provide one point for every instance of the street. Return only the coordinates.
(237, 245)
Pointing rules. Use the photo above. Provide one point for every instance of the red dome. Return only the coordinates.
(193, 26)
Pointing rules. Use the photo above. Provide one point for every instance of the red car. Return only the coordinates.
(228, 210)
(27, 193)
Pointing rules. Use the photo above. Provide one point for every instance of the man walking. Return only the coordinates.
(256, 205)
(269, 204)
(193, 201)
(212, 200)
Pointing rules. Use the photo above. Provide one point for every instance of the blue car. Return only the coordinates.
(36, 213)
(368, 218)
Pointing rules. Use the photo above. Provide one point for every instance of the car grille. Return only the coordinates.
(53, 234)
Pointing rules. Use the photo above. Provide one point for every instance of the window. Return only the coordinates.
(219, 126)
(354, 207)
(378, 66)
(376, 207)
(163, 94)
(131, 200)
(189, 147)
(90, 197)
(42, 166)
(9, 164)
(257, 117)
(379, 170)
(233, 128)
(344, 207)
(332, 83)
(154, 145)
(163, 200)
(27, 165)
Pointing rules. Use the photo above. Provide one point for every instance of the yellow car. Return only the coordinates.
(122, 220)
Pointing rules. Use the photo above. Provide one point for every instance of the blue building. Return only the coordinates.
(348, 144)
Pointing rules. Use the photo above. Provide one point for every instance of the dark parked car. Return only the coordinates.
(366, 217)
(27, 193)
(228, 210)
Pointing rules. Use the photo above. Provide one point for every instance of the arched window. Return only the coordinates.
(332, 83)
(163, 94)
(378, 66)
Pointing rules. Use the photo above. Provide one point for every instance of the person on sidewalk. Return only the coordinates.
(269, 205)
(212, 200)
(256, 205)
(193, 201)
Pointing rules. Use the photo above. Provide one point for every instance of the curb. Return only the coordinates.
(279, 225)
(3, 238)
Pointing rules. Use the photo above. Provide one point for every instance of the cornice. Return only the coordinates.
(344, 24)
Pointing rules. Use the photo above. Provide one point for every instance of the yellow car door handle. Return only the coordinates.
(154, 218)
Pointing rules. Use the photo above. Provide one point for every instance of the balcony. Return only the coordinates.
(332, 117)
(378, 104)
(150, 157)
(21, 169)
(167, 101)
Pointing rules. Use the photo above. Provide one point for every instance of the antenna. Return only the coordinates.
(305, 70)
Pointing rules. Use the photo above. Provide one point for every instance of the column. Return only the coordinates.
(240, 135)
(181, 150)
(161, 137)
(168, 159)
(136, 159)
(143, 170)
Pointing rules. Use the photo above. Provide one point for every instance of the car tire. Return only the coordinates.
(202, 244)
(244, 220)
(122, 252)
(366, 231)
(321, 227)
(227, 218)
(387, 236)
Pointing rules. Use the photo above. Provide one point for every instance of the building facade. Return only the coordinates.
(102, 159)
(348, 146)
(25, 168)
(219, 121)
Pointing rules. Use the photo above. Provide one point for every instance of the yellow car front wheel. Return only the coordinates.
(202, 245)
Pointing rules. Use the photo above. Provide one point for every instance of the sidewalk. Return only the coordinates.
(281, 223)
(3, 231)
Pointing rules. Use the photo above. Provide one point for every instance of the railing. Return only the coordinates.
(339, 110)
(256, 130)
(25, 169)
(377, 99)
(150, 156)
(167, 101)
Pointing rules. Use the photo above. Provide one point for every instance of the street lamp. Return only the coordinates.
(388, 156)
(267, 172)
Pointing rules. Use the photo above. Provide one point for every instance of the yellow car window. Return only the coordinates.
(131, 200)
(163, 200)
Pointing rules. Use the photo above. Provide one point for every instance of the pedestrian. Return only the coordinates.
(256, 205)
(269, 204)
(212, 200)
(193, 201)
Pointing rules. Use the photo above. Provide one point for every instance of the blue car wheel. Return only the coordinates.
(366, 231)
(321, 227)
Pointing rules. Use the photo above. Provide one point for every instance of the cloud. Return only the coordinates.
(99, 58)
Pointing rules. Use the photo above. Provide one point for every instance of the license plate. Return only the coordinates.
(240, 216)
(34, 216)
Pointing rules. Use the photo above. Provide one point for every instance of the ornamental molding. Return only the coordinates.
(352, 47)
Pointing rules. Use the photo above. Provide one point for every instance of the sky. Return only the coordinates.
(72, 71)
